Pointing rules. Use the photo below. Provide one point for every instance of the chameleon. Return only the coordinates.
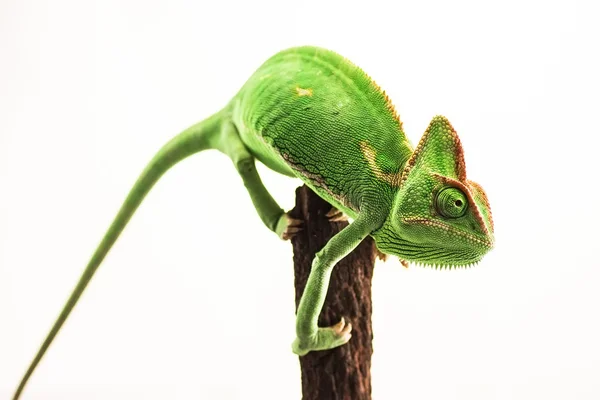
(310, 113)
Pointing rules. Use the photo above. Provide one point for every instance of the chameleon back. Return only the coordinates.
(308, 107)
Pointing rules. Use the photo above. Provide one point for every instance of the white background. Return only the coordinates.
(196, 298)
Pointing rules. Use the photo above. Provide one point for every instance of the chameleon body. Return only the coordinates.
(310, 113)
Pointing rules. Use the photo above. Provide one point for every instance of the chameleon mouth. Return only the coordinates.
(432, 254)
(442, 259)
(474, 240)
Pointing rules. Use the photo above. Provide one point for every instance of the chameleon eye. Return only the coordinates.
(451, 202)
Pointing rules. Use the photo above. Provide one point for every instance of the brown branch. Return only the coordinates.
(342, 373)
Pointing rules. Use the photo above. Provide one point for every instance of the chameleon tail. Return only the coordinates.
(204, 135)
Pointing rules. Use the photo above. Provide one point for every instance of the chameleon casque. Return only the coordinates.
(310, 113)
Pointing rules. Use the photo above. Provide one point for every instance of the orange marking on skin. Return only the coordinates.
(480, 193)
(304, 92)
(370, 156)
(447, 228)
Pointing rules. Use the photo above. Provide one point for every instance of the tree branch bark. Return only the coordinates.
(342, 373)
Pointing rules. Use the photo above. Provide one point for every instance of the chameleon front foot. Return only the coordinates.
(335, 215)
(287, 226)
(325, 339)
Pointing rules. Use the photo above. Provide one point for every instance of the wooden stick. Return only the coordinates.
(343, 373)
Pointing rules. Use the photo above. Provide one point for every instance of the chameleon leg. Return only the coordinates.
(309, 336)
(271, 214)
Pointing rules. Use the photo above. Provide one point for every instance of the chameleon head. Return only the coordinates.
(438, 216)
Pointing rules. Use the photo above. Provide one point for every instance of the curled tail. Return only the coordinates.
(202, 136)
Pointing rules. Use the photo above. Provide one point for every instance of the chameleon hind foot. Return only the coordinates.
(335, 215)
(325, 339)
(287, 226)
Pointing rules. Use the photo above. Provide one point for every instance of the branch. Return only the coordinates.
(343, 372)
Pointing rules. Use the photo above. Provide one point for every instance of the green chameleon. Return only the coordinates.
(309, 113)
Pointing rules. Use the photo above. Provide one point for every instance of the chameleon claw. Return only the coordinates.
(287, 227)
(342, 328)
(383, 256)
(335, 215)
(293, 222)
(290, 232)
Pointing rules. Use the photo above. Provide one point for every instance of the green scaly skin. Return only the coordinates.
(312, 114)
